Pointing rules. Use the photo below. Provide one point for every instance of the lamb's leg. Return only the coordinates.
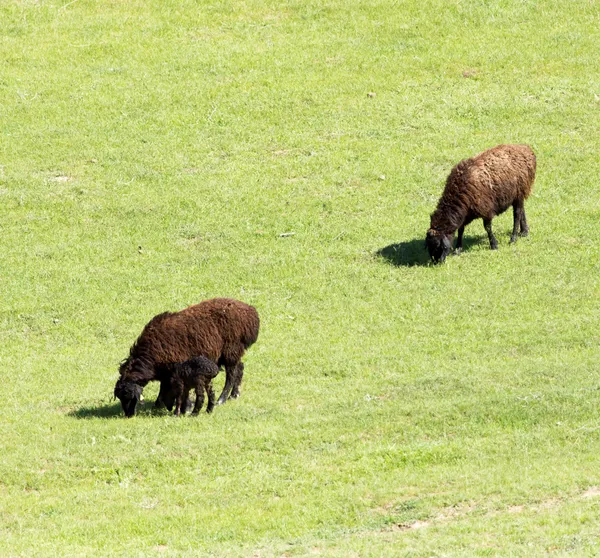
(459, 240)
(524, 226)
(211, 397)
(185, 400)
(239, 374)
(487, 223)
(199, 397)
(517, 211)
(179, 403)
(229, 378)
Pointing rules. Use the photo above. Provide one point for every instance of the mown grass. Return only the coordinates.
(152, 156)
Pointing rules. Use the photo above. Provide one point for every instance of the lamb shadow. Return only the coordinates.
(414, 252)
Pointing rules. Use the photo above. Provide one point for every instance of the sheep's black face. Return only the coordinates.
(129, 394)
(438, 245)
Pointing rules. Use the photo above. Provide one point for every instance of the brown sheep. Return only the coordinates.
(482, 187)
(220, 329)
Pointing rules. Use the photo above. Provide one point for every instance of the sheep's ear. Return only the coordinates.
(428, 236)
(446, 242)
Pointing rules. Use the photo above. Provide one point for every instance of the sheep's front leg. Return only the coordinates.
(199, 397)
(160, 399)
(459, 240)
(487, 223)
(229, 378)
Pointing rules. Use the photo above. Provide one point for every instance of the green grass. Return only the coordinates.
(152, 155)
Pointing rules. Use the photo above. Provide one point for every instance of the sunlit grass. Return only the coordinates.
(155, 154)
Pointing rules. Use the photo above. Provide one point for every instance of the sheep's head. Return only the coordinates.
(438, 244)
(129, 393)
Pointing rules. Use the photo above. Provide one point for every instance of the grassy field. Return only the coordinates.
(288, 154)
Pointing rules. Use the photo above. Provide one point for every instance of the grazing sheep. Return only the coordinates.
(197, 373)
(482, 187)
(220, 329)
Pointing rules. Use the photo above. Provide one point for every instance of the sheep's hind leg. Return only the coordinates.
(239, 374)
(459, 240)
(229, 378)
(517, 217)
(487, 223)
(524, 226)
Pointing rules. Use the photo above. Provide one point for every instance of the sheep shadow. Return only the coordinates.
(414, 252)
(101, 411)
(113, 410)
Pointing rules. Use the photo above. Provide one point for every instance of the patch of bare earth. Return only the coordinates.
(464, 510)
(61, 178)
(411, 526)
(591, 492)
(470, 73)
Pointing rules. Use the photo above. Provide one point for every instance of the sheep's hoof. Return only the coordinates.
(523, 233)
(234, 395)
(513, 239)
(458, 251)
(221, 401)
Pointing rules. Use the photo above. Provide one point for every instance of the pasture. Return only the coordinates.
(288, 154)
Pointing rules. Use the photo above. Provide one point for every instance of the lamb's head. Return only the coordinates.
(438, 244)
(129, 393)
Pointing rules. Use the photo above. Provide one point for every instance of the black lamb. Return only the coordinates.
(196, 373)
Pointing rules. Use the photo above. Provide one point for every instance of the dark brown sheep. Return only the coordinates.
(220, 329)
(196, 373)
(481, 188)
